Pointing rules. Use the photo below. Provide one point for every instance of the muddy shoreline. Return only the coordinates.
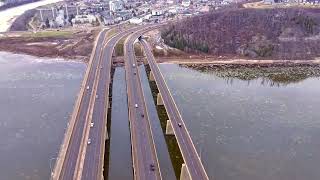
(77, 45)
(68, 44)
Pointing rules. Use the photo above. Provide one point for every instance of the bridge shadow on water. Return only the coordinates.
(174, 151)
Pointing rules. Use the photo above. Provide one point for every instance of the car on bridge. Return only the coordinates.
(152, 167)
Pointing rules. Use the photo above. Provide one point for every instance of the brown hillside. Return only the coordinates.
(256, 33)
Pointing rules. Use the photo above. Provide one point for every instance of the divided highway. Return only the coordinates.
(94, 155)
(187, 148)
(145, 161)
(81, 154)
(69, 151)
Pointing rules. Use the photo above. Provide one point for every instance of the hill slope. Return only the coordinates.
(256, 33)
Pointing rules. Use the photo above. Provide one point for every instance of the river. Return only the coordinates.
(9, 15)
(37, 97)
(251, 124)
(246, 123)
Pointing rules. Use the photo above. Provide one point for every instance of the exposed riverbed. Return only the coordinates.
(37, 97)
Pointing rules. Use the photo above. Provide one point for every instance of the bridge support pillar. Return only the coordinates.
(169, 129)
(106, 136)
(145, 61)
(151, 77)
(159, 100)
(184, 175)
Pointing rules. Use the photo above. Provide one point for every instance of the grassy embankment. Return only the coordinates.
(47, 34)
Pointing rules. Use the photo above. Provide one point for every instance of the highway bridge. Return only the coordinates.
(81, 154)
(193, 167)
(145, 161)
(69, 152)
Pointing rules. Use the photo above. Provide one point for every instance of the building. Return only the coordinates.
(157, 12)
(84, 19)
(170, 1)
(124, 15)
(186, 3)
(115, 5)
(135, 21)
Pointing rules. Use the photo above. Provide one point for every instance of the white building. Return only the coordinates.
(60, 18)
(170, 1)
(268, 1)
(172, 11)
(147, 17)
(83, 19)
(115, 5)
(135, 20)
(157, 12)
(186, 3)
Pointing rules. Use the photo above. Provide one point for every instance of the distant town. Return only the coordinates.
(92, 13)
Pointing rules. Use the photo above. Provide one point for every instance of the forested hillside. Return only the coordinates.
(256, 33)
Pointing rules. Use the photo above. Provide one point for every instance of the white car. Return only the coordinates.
(136, 105)
(88, 87)
(133, 65)
(91, 124)
(89, 141)
(97, 96)
(179, 124)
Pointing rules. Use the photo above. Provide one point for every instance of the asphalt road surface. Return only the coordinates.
(187, 148)
(68, 167)
(145, 162)
(94, 157)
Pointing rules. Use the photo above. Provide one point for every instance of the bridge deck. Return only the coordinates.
(187, 148)
(75, 161)
(68, 155)
(143, 149)
(94, 155)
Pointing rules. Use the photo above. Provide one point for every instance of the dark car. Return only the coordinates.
(152, 167)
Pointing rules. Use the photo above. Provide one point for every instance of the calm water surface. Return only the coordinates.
(36, 99)
(257, 129)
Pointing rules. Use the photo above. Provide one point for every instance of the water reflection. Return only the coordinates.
(250, 132)
(36, 98)
(269, 76)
